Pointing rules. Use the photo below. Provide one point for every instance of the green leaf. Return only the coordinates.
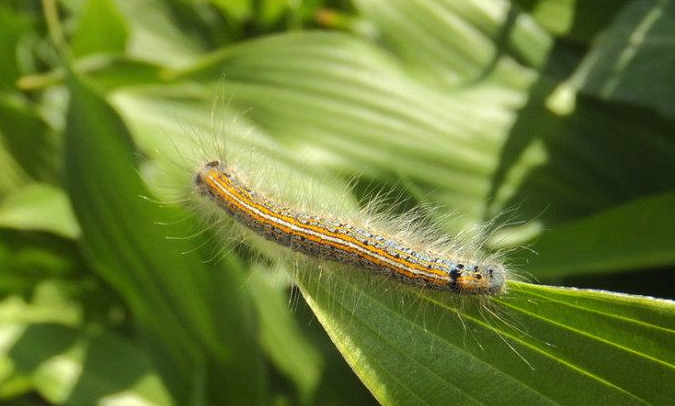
(196, 321)
(535, 345)
(606, 242)
(633, 61)
(100, 28)
(469, 150)
(39, 207)
(357, 111)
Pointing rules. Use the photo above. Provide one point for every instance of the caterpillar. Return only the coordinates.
(338, 241)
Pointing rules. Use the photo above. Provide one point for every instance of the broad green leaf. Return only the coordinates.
(353, 108)
(364, 111)
(100, 29)
(634, 59)
(606, 242)
(535, 345)
(39, 207)
(468, 151)
(196, 321)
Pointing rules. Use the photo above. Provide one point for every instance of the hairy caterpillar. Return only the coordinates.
(341, 242)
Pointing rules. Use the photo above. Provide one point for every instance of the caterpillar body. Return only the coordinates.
(341, 242)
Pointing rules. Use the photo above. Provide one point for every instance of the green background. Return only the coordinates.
(547, 125)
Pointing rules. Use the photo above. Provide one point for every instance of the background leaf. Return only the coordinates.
(69, 366)
(39, 207)
(100, 28)
(208, 315)
(633, 61)
(611, 244)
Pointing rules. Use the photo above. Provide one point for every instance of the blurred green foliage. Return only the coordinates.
(558, 113)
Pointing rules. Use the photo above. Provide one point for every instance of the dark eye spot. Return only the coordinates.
(213, 164)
